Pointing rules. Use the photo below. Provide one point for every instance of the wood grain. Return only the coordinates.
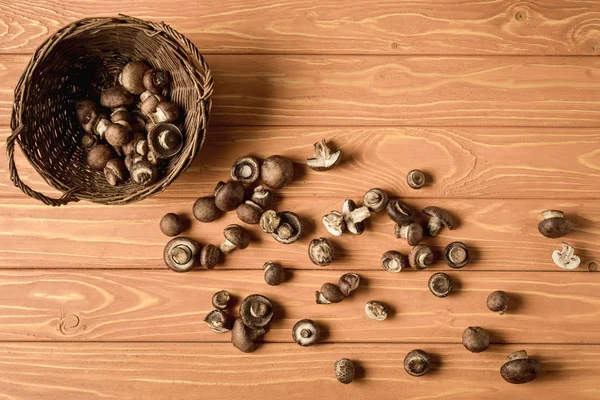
(165, 306)
(388, 90)
(216, 371)
(548, 27)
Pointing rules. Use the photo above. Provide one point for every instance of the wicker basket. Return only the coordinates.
(79, 61)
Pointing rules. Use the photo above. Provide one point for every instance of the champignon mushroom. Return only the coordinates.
(277, 171)
(344, 370)
(228, 196)
(132, 76)
(274, 273)
(85, 111)
(498, 301)
(415, 179)
(416, 362)
(97, 125)
(245, 170)
(117, 135)
(475, 339)
(171, 224)
(115, 171)
(375, 200)
(290, 228)
(399, 212)
(256, 311)
(376, 310)
(520, 368)
(144, 172)
(421, 256)
(566, 258)
(220, 300)
(354, 217)
(269, 221)
(137, 144)
(554, 224)
(241, 337)
(249, 212)
(165, 112)
(394, 261)
(115, 97)
(261, 196)
(305, 332)
(334, 223)
(149, 104)
(165, 140)
(236, 237)
(218, 321)
(329, 293)
(324, 159)
(88, 141)
(98, 156)
(155, 80)
(456, 255)
(182, 254)
(320, 252)
(413, 233)
(438, 219)
(209, 256)
(348, 283)
(205, 209)
(440, 284)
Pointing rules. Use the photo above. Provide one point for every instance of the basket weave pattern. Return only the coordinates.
(78, 62)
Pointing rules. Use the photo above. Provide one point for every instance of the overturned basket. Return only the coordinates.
(79, 61)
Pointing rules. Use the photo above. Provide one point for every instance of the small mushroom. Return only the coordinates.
(132, 76)
(348, 283)
(344, 370)
(376, 310)
(520, 368)
(290, 229)
(85, 111)
(209, 256)
(329, 293)
(138, 121)
(440, 284)
(375, 200)
(274, 273)
(566, 258)
(245, 170)
(399, 212)
(261, 196)
(88, 141)
(394, 261)
(249, 212)
(416, 362)
(320, 252)
(421, 256)
(165, 112)
(120, 115)
(218, 321)
(415, 179)
(554, 224)
(593, 266)
(354, 217)
(498, 301)
(144, 173)
(205, 209)
(456, 255)
(171, 224)
(221, 299)
(475, 339)
(182, 254)
(236, 237)
(165, 140)
(324, 159)
(137, 142)
(155, 80)
(269, 221)
(115, 171)
(305, 332)
(98, 126)
(115, 97)
(98, 156)
(334, 223)
(241, 337)
(228, 196)
(149, 104)
(413, 232)
(117, 135)
(438, 218)
(256, 311)
(277, 171)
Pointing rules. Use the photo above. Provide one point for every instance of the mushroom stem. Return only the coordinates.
(404, 231)
(360, 214)
(227, 247)
(181, 254)
(322, 150)
(258, 310)
(553, 214)
(321, 299)
(434, 225)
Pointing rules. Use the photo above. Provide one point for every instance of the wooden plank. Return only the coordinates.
(409, 91)
(548, 27)
(502, 234)
(164, 306)
(216, 371)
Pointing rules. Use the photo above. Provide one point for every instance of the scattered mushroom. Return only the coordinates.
(143, 172)
(440, 284)
(132, 76)
(241, 337)
(376, 310)
(115, 97)
(165, 112)
(290, 228)
(344, 370)
(205, 209)
(348, 283)
(416, 362)
(375, 200)
(236, 237)
(498, 301)
(554, 224)
(269, 221)
(256, 311)
(421, 256)
(320, 252)
(218, 321)
(566, 258)
(245, 170)
(277, 171)
(520, 368)
(324, 159)
(171, 225)
(394, 261)
(334, 223)
(249, 212)
(438, 218)
(354, 217)
(209, 256)
(329, 293)
(305, 332)
(220, 300)
(274, 273)
(98, 156)
(593, 266)
(456, 255)
(182, 254)
(413, 233)
(415, 179)
(165, 140)
(399, 212)
(115, 171)
(228, 196)
(475, 339)
(155, 80)
(261, 196)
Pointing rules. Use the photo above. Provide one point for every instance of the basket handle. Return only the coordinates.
(68, 197)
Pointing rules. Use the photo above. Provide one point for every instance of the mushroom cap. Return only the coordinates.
(475, 339)
(88, 141)
(182, 254)
(320, 252)
(376, 310)
(277, 171)
(394, 261)
(305, 332)
(155, 80)
(354, 227)
(399, 212)
(85, 110)
(293, 220)
(456, 255)
(416, 362)
(274, 273)
(324, 159)
(237, 235)
(256, 311)
(117, 135)
(269, 221)
(415, 179)
(375, 199)
(421, 256)
(498, 301)
(334, 223)
(166, 112)
(205, 209)
(261, 196)
(413, 233)
(115, 97)
(241, 337)
(170, 224)
(245, 170)
(554, 224)
(228, 196)
(144, 172)
(520, 368)
(218, 321)
(440, 284)
(249, 212)
(344, 370)
(209, 256)
(115, 171)
(98, 156)
(132, 76)
(442, 215)
(331, 293)
(348, 283)
(166, 140)
(220, 300)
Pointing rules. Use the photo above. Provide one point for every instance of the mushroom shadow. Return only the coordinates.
(515, 302)
(360, 373)
(308, 225)
(496, 336)
(300, 171)
(339, 251)
(435, 364)
(551, 368)
(278, 311)
(324, 332)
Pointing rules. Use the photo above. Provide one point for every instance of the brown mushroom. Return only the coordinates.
(475, 339)
(415, 179)
(320, 252)
(394, 261)
(236, 237)
(416, 362)
(220, 300)
(376, 310)
(344, 370)
(165, 140)
(375, 200)
(149, 104)
(329, 293)
(117, 135)
(241, 337)
(261, 196)
(456, 255)
(144, 172)
(334, 223)
(249, 212)
(155, 80)
(498, 301)
(115, 171)
(354, 217)
(305, 332)
(413, 233)
(348, 283)
(438, 218)
(85, 111)
(440, 284)
(277, 171)
(115, 97)
(205, 209)
(520, 368)
(218, 321)
(421, 256)
(88, 141)
(554, 224)
(132, 76)
(290, 228)
(270, 221)
(228, 196)
(399, 212)
(98, 156)
(245, 170)
(274, 273)
(165, 112)
(256, 311)
(182, 254)
(209, 256)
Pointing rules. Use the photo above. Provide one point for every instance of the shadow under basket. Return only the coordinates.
(80, 61)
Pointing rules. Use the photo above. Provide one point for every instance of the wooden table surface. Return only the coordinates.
(498, 101)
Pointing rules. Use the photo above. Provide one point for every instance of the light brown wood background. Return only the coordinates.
(497, 100)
